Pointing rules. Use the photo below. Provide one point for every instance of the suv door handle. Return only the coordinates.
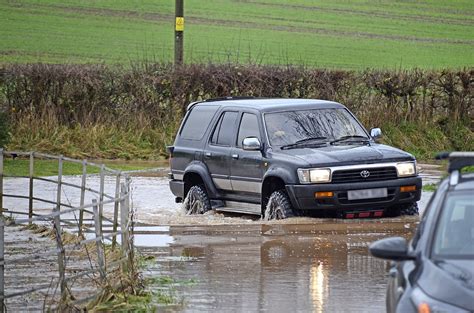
(235, 156)
(208, 154)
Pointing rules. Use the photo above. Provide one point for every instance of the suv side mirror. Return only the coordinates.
(376, 133)
(393, 248)
(251, 144)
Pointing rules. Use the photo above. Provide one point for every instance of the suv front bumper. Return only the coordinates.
(303, 196)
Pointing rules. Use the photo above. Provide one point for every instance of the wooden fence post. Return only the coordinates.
(98, 234)
(116, 210)
(30, 200)
(60, 178)
(61, 254)
(1, 181)
(2, 262)
(101, 194)
(83, 193)
(124, 211)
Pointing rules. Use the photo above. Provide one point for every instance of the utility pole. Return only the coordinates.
(179, 33)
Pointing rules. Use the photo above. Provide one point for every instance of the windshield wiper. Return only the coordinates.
(358, 138)
(306, 142)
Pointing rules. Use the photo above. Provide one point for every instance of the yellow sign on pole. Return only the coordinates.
(179, 24)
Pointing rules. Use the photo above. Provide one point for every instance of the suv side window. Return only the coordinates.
(224, 130)
(197, 122)
(248, 128)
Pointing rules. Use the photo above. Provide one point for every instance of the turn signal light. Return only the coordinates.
(323, 194)
(423, 308)
(408, 188)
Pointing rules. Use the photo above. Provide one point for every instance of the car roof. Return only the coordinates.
(270, 104)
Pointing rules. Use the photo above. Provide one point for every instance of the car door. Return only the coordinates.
(217, 152)
(246, 166)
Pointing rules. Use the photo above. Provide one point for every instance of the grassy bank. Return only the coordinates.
(21, 167)
(97, 111)
(326, 33)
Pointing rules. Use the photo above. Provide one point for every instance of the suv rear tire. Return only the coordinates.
(196, 201)
(278, 206)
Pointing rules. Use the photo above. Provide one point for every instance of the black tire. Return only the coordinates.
(196, 201)
(278, 206)
(410, 209)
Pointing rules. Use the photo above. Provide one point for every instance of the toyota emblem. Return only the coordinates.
(365, 173)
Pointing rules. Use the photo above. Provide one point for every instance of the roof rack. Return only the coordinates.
(457, 161)
(218, 99)
(229, 98)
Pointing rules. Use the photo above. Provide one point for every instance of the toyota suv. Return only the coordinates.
(278, 158)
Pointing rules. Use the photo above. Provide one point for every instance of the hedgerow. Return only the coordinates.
(117, 112)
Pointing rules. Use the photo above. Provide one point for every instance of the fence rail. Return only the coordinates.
(121, 221)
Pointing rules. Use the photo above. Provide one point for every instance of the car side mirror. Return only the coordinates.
(251, 144)
(393, 248)
(376, 133)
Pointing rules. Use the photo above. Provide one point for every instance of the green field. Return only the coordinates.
(345, 34)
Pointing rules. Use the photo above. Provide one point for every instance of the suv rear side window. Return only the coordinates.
(224, 130)
(248, 128)
(197, 122)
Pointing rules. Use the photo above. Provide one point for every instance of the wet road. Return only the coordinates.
(317, 267)
(242, 264)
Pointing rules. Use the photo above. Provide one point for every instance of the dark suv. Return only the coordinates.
(281, 157)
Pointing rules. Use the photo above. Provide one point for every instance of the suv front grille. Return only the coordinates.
(356, 175)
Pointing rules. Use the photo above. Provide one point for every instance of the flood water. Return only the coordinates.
(317, 267)
(237, 263)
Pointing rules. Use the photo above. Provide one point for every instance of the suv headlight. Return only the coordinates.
(314, 175)
(406, 169)
(425, 303)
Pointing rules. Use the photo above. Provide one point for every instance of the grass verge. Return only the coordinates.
(20, 167)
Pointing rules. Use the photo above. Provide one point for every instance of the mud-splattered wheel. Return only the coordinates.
(409, 209)
(196, 201)
(278, 206)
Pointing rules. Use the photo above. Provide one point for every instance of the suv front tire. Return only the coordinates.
(278, 206)
(196, 201)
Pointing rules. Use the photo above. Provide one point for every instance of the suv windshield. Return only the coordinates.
(455, 230)
(312, 127)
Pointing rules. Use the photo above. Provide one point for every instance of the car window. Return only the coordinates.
(454, 236)
(248, 128)
(197, 121)
(285, 128)
(224, 130)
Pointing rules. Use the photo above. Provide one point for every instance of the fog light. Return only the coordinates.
(407, 188)
(323, 194)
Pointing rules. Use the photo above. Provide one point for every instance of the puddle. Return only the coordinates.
(321, 267)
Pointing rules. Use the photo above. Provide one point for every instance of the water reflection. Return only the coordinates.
(279, 268)
(318, 286)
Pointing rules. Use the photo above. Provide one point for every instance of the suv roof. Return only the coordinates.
(269, 104)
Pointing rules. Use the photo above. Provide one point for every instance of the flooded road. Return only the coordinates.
(238, 263)
(318, 267)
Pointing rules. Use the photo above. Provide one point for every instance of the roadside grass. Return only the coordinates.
(20, 167)
(424, 141)
(333, 34)
(156, 293)
(430, 187)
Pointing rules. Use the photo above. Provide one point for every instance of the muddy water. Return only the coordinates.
(318, 267)
(242, 264)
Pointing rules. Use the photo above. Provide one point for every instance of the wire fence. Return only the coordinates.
(89, 223)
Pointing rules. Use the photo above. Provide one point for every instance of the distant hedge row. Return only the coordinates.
(156, 95)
